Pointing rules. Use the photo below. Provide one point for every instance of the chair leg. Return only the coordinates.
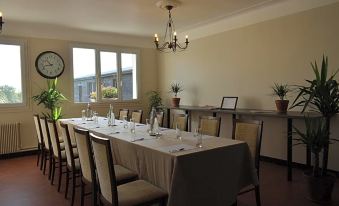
(82, 193)
(45, 163)
(39, 151)
(42, 157)
(67, 182)
(60, 174)
(95, 195)
(53, 170)
(50, 166)
(257, 195)
(73, 186)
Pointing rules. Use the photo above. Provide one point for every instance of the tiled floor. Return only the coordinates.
(22, 184)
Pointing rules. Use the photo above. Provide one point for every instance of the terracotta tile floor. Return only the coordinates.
(22, 184)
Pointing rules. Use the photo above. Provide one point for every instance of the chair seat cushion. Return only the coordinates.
(75, 152)
(124, 175)
(138, 192)
(76, 164)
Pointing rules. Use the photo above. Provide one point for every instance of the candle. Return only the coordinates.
(155, 35)
(0, 17)
(175, 33)
(157, 39)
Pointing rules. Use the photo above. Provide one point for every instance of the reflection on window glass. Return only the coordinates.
(129, 76)
(10, 78)
(109, 75)
(84, 75)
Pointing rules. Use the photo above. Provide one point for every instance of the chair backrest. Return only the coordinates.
(85, 154)
(53, 134)
(45, 133)
(160, 117)
(249, 131)
(68, 145)
(38, 128)
(180, 120)
(210, 125)
(123, 113)
(105, 168)
(137, 116)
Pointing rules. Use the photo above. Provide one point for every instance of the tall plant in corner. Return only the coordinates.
(51, 99)
(320, 95)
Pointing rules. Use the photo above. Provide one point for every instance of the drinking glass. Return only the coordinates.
(95, 118)
(83, 115)
(198, 135)
(178, 132)
(148, 126)
(125, 122)
(132, 128)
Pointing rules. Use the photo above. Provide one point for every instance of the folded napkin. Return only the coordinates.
(177, 148)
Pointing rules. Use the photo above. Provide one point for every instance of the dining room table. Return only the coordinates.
(212, 174)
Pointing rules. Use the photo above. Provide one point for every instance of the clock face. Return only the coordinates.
(49, 64)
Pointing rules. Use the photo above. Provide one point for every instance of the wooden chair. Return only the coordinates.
(59, 154)
(180, 120)
(123, 175)
(210, 125)
(126, 194)
(123, 113)
(41, 153)
(47, 150)
(137, 116)
(250, 131)
(73, 162)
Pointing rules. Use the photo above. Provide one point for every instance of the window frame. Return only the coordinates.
(118, 51)
(23, 57)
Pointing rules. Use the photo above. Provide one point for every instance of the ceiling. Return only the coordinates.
(134, 17)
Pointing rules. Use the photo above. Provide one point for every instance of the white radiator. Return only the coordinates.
(9, 137)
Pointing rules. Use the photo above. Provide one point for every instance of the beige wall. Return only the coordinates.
(245, 62)
(35, 83)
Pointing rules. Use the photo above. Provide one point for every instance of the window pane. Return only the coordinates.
(108, 65)
(10, 78)
(84, 75)
(129, 76)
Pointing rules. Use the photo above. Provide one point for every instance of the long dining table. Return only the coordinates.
(210, 175)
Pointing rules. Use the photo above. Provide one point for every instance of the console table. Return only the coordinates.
(289, 116)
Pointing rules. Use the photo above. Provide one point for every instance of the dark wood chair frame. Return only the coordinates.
(70, 169)
(124, 110)
(138, 111)
(180, 115)
(57, 160)
(41, 145)
(113, 181)
(211, 118)
(85, 182)
(257, 154)
(48, 153)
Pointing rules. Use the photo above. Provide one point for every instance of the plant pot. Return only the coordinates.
(282, 105)
(92, 100)
(320, 188)
(175, 101)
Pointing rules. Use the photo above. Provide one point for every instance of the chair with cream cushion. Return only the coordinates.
(137, 116)
(123, 175)
(138, 192)
(41, 153)
(123, 113)
(47, 146)
(250, 131)
(73, 163)
(209, 125)
(59, 154)
(180, 121)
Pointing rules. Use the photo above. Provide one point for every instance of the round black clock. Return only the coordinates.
(49, 64)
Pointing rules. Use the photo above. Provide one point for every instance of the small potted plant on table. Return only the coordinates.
(175, 89)
(281, 91)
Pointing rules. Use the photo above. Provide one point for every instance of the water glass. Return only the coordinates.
(83, 115)
(95, 118)
(198, 135)
(132, 128)
(178, 132)
(148, 126)
(125, 122)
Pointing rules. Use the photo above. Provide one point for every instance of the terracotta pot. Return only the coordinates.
(175, 101)
(282, 105)
(320, 188)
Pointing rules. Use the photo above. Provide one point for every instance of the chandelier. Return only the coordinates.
(1, 22)
(170, 41)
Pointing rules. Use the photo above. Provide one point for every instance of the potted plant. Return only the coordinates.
(316, 138)
(93, 96)
(175, 89)
(109, 92)
(281, 91)
(321, 95)
(51, 99)
(154, 100)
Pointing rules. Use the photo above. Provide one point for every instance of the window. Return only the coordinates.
(11, 70)
(104, 74)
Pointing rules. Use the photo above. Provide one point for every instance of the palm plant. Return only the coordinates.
(176, 88)
(154, 100)
(320, 95)
(51, 99)
(280, 90)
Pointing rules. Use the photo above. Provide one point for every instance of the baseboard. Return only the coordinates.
(294, 164)
(18, 154)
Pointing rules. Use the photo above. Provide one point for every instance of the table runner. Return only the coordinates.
(211, 175)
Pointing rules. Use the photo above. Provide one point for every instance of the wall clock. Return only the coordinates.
(49, 64)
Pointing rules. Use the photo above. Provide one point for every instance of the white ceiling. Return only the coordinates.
(134, 17)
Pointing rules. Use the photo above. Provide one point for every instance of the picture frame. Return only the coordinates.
(229, 103)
